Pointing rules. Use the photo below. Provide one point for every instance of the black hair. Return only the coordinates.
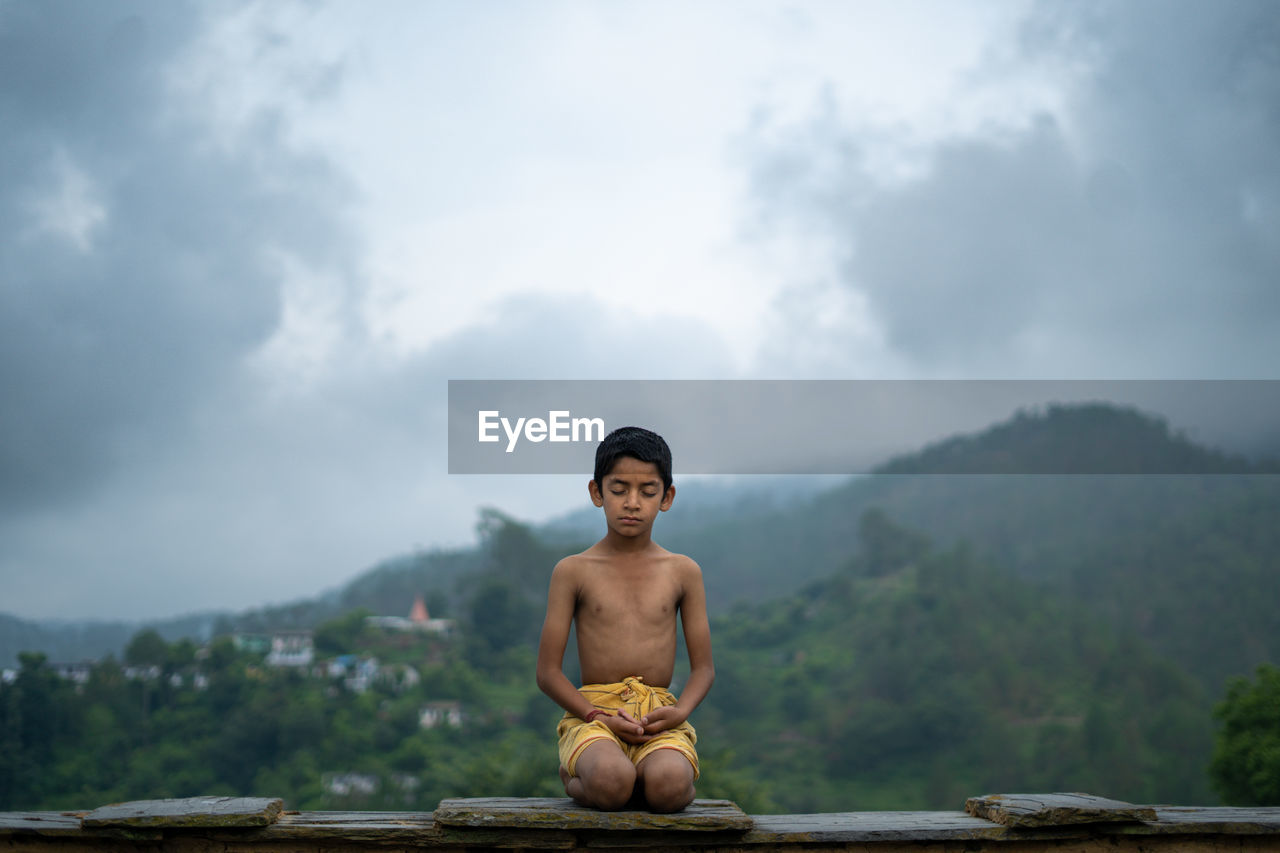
(638, 443)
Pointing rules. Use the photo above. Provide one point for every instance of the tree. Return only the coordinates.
(339, 636)
(501, 617)
(887, 547)
(34, 712)
(147, 648)
(514, 552)
(1246, 760)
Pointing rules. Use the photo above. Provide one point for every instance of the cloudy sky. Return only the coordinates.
(245, 245)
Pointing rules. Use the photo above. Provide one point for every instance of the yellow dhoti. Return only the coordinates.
(637, 699)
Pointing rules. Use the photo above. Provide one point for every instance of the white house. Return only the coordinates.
(441, 714)
(291, 648)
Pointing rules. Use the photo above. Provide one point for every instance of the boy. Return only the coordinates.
(623, 733)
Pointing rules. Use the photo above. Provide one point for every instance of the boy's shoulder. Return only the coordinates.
(679, 562)
(600, 556)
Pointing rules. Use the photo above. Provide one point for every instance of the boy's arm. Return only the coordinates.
(561, 601)
(697, 639)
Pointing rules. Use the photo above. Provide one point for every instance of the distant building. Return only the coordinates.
(291, 648)
(340, 666)
(142, 672)
(346, 784)
(418, 620)
(359, 673)
(400, 677)
(447, 713)
(76, 673)
(258, 644)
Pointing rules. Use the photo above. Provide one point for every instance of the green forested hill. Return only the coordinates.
(388, 588)
(901, 641)
(909, 679)
(915, 675)
(1191, 561)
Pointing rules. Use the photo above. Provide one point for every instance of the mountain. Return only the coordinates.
(908, 679)
(1190, 560)
(64, 641)
(915, 675)
(1086, 438)
(899, 641)
(388, 588)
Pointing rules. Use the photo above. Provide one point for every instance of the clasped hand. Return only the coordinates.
(634, 731)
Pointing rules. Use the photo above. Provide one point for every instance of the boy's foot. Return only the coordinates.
(573, 788)
(564, 779)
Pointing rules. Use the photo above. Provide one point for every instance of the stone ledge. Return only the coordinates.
(1037, 810)
(188, 813)
(1174, 828)
(564, 813)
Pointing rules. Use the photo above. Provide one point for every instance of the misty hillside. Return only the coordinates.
(387, 588)
(71, 641)
(908, 679)
(918, 674)
(1191, 561)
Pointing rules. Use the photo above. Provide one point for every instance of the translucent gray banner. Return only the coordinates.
(857, 426)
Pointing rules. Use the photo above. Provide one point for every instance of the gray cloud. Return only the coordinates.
(153, 457)
(141, 258)
(149, 464)
(1130, 235)
(273, 495)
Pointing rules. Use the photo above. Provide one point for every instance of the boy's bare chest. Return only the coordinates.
(629, 599)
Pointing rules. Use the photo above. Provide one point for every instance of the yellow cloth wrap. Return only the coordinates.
(637, 699)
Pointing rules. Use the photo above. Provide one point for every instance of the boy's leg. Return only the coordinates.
(606, 777)
(666, 777)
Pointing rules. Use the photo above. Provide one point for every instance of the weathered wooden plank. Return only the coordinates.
(1176, 830)
(564, 813)
(392, 818)
(1196, 820)
(1037, 810)
(41, 823)
(188, 813)
(865, 827)
(322, 830)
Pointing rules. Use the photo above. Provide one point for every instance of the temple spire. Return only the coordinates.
(419, 613)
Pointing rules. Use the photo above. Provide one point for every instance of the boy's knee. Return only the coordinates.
(608, 779)
(668, 785)
(610, 788)
(668, 794)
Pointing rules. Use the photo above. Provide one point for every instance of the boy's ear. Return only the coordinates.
(593, 489)
(667, 499)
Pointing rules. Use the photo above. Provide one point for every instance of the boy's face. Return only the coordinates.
(632, 496)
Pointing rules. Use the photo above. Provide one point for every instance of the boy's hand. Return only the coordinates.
(661, 719)
(626, 727)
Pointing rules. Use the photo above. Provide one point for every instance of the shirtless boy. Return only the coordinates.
(624, 735)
